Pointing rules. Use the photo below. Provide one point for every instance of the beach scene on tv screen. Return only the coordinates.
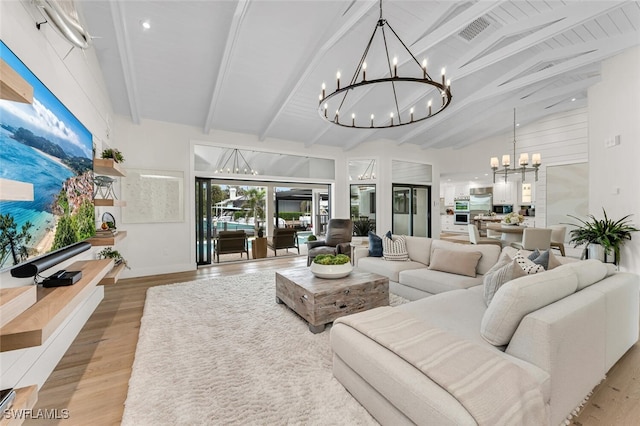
(46, 178)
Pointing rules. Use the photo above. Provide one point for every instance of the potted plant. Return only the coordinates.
(331, 266)
(114, 154)
(601, 235)
(109, 253)
(361, 227)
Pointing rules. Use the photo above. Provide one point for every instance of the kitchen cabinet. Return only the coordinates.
(447, 224)
(462, 190)
(528, 193)
(449, 195)
(529, 221)
(504, 193)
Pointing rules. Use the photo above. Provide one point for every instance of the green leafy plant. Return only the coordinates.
(329, 259)
(361, 227)
(115, 154)
(312, 238)
(109, 253)
(610, 234)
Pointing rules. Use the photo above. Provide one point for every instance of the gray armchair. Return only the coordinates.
(337, 240)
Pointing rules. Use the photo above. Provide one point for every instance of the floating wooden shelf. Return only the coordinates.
(25, 399)
(104, 202)
(112, 276)
(36, 324)
(97, 241)
(14, 301)
(106, 166)
(12, 86)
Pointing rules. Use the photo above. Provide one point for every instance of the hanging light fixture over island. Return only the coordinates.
(523, 161)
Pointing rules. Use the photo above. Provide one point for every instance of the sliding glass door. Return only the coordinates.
(411, 210)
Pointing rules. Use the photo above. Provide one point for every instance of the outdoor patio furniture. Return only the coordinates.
(231, 242)
(284, 238)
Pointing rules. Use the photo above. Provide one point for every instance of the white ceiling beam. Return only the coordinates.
(126, 58)
(566, 18)
(542, 96)
(223, 70)
(578, 15)
(312, 62)
(594, 51)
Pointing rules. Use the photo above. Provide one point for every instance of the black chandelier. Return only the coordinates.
(360, 81)
(235, 163)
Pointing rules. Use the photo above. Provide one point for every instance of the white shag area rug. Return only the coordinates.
(221, 351)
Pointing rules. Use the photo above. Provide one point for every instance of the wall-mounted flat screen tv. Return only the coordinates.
(46, 178)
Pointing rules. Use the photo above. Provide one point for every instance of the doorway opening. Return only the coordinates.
(411, 210)
(245, 206)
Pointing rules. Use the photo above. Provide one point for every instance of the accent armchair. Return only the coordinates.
(231, 242)
(337, 240)
(284, 238)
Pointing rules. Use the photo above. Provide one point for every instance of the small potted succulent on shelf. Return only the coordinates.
(114, 154)
(109, 253)
(513, 219)
(330, 266)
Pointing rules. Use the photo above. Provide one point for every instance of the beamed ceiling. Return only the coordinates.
(255, 66)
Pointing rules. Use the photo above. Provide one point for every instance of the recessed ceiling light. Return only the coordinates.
(573, 99)
(518, 125)
(145, 24)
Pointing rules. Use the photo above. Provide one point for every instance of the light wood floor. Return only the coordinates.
(91, 379)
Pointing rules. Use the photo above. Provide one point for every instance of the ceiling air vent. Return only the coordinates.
(472, 30)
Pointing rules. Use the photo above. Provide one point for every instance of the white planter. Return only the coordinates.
(596, 251)
(331, 271)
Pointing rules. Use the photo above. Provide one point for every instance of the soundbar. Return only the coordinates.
(34, 267)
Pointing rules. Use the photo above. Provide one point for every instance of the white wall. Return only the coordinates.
(76, 81)
(614, 175)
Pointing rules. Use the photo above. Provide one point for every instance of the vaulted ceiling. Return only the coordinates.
(256, 66)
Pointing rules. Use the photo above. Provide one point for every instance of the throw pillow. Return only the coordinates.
(501, 273)
(455, 262)
(546, 258)
(527, 265)
(394, 248)
(375, 245)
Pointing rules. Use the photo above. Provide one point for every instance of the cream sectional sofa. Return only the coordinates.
(564, 328)
(413, 279)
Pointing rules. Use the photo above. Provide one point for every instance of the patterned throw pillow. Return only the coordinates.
(546, 258)
(506, 270)
(395, 248)
(527, 265)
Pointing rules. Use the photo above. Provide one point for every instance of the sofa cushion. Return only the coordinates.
(395, 248)
(490, 252)
(434, 282)
(378, 265)
(455, 261)
(588, 271)
(375, 245)
(419, 249)
(519, 297)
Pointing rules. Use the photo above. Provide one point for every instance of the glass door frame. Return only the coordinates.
(411, 207)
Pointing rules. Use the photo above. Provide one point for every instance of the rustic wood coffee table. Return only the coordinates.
(320, 301)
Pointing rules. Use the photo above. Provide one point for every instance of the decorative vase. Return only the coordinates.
(331, 271)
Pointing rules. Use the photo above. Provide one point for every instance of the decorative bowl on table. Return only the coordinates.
(330, 266)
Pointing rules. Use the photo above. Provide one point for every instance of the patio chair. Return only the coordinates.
(231, 242)
(283, 238)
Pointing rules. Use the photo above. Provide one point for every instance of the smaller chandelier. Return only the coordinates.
(536, 161)
(391, 81)
(369, 172)
(235, 163)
